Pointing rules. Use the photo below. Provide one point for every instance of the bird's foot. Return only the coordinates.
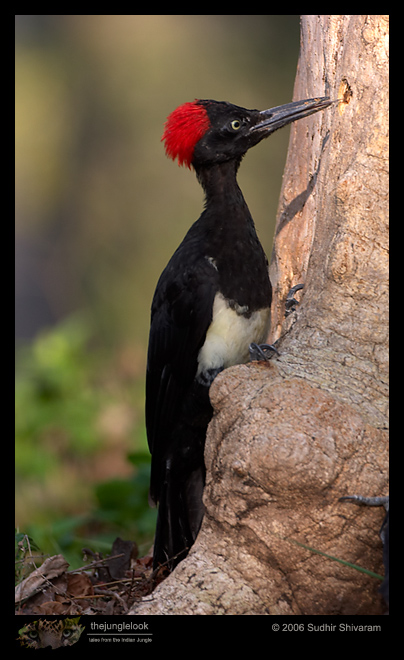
(291, 302)
(384, 531)
(383, 500)
(262, 352)
(369, 501)
(207, 376)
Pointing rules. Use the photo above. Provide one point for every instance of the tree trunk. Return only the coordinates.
(291, 436)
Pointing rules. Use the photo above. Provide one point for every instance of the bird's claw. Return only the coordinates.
(291, 302)
(369, 501)
(259, 352)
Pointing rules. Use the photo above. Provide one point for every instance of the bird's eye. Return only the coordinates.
(235, 124)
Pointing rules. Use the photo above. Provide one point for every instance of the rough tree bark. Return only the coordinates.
(291, 436)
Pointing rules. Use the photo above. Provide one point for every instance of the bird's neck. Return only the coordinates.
(230, 241)
(219, 182)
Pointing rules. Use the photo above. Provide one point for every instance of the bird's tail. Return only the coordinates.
(179, 518)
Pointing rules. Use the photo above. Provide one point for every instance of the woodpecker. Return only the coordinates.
(211, 302)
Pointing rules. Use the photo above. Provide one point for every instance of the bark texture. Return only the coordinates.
(291, 436)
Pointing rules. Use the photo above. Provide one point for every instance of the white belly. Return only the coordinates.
(230, 335)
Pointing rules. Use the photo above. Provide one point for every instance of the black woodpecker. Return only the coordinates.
(212, 300)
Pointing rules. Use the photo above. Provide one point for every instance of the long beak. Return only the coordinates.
(282, 115)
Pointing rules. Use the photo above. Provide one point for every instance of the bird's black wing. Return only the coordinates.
(181, 315)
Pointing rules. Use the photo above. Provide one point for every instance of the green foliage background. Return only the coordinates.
(99, 211)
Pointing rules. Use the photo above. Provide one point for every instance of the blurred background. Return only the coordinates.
(99, 211)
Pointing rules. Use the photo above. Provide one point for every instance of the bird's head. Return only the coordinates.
(204, 132)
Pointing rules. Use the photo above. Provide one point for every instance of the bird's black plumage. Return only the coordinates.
(211, 301)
